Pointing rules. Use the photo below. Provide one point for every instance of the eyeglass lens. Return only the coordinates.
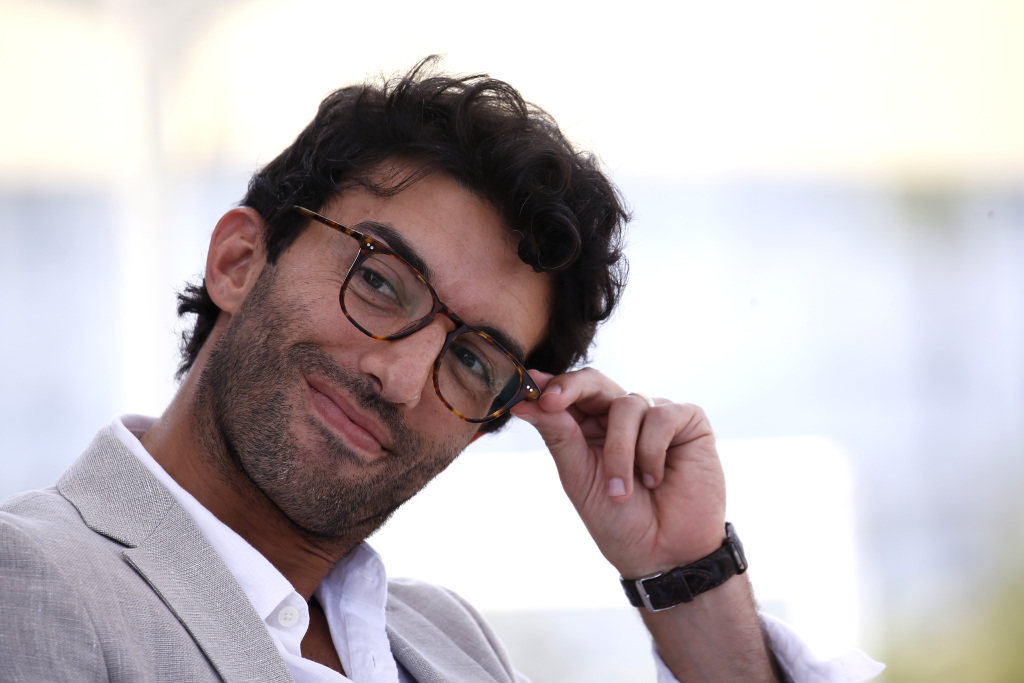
(474, 376)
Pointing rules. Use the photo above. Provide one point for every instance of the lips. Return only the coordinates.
(342, 416)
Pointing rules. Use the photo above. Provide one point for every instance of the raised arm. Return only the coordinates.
(648, 484)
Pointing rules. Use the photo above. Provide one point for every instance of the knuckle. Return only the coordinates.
(693, 409)
(688, 411)
(629, 402)
(648, 452)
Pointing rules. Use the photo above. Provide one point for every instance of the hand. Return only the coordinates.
(647, 482)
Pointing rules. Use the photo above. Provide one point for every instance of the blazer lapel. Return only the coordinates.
(119, 498)
(190, 577)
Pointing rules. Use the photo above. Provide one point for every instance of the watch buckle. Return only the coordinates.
(644, 597)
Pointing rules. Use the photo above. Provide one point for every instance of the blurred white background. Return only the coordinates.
(827, 254)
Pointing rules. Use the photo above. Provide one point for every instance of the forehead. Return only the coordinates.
(464, 245)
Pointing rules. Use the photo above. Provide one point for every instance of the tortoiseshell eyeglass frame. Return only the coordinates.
(369, 247)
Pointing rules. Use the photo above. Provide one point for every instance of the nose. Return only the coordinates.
(403, 367)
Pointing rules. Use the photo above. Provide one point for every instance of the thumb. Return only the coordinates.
(557, 426)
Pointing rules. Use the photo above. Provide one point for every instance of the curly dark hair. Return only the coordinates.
(481, 132)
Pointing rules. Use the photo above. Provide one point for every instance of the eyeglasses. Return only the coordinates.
(386, 298)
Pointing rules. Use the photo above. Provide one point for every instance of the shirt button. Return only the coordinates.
(288, 616)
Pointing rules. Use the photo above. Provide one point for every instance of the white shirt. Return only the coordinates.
(354, 593)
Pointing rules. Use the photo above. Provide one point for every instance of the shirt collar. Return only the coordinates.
(353, 594)
(265, 586)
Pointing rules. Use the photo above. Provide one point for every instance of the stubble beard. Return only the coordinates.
(249, 394)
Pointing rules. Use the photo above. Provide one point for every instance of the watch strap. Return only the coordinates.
(667, 589)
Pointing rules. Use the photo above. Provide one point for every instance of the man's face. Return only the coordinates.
(338, 429)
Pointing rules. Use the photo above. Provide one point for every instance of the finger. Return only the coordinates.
(573, 437)
(529, 411)
(625, 418)
(587, 389)
(557, 428)
(581, 393)
(585, 394)
(660, 426)
(544, 382)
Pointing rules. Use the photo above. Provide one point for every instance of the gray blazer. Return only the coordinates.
(105, 577)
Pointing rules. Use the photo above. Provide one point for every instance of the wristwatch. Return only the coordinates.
(663, 590)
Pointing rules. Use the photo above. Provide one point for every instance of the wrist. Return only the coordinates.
(663, 590)
(699, 543)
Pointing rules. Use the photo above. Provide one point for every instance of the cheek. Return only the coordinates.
(441, 428)
(317, 298)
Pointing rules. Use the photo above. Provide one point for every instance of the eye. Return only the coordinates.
(378, 283)
(471, 363)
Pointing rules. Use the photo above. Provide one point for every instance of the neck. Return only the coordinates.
(191, 450)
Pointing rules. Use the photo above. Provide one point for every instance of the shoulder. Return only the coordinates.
(44, 524)
(439, 625)
(421, 602)
(413, 603)
(74, 608)
(50, 559)
(427, 597)
(28, 518)
(39, 523)
(46, 504)
(38, 592)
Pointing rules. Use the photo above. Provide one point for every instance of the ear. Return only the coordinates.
(236, 257)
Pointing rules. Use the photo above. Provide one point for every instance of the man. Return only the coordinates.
(371, 309)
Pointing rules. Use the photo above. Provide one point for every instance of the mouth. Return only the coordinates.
(343, 417)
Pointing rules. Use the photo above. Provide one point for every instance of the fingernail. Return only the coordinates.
(616, 487)
(528, 418)
(649, 481)
(553, 389)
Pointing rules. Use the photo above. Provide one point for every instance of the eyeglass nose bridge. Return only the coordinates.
(458, 327)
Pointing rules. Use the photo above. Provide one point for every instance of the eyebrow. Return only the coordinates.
(386, 233)
(389, 235)
(510, 344)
